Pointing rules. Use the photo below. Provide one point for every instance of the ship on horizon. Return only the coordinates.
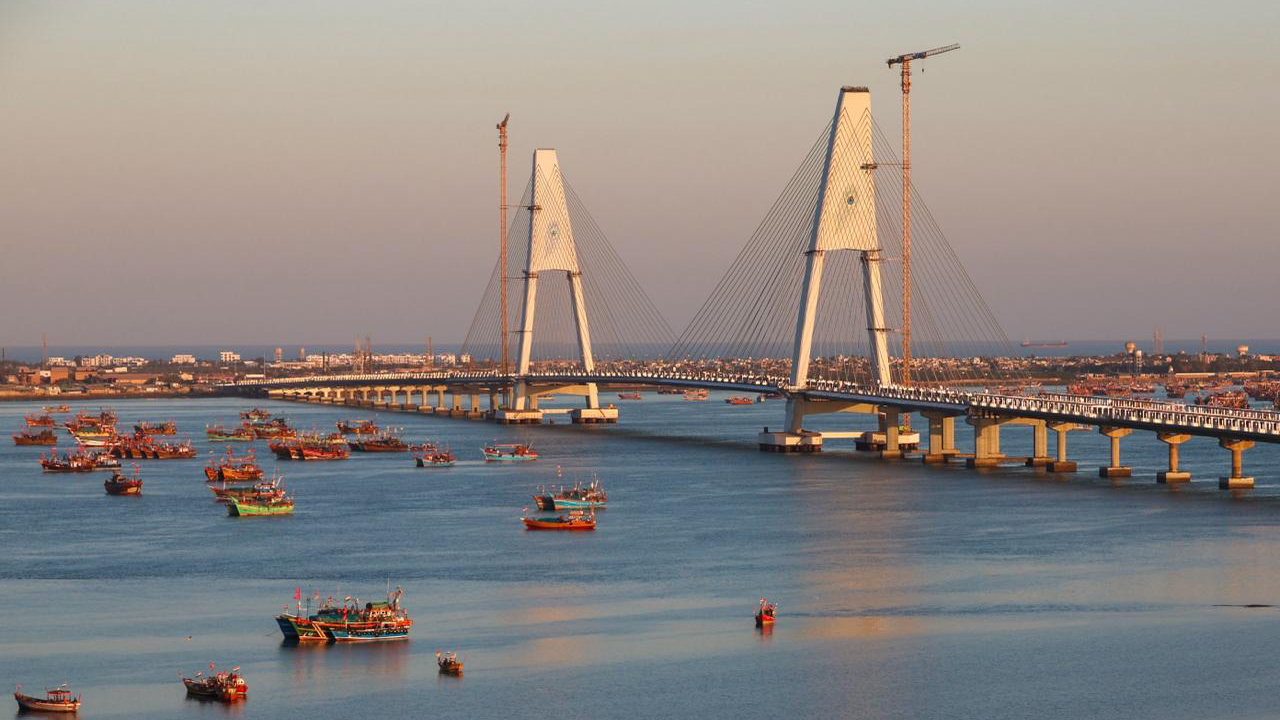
(1044, 343)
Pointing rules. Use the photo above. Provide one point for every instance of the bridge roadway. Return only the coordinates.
(1173, 423)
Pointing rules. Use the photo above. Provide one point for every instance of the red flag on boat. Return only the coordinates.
(297, 593)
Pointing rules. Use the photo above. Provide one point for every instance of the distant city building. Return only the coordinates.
(183, 359)
(279, 354)
(228, 356)
(302, 353)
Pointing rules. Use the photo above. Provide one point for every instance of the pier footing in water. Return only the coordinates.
(1235, 483)
(1169, 477)
(790, 442)
(1115, 472)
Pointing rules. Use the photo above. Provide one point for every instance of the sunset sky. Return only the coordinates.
(281, 171)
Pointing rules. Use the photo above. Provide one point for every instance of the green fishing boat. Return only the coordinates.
(253, 506)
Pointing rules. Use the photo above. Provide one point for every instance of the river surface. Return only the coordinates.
(905, 591)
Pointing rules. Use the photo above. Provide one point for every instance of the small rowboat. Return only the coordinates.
(576, 520)
(449, 663)
(59, 699)
(765, 614)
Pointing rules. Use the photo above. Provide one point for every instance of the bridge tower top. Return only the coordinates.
(845, 219)
(551, 248)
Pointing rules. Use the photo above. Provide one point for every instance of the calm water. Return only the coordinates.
(904, 591)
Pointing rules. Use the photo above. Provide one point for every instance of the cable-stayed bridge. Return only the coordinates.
(808, 311)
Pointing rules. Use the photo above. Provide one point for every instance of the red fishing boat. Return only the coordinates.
(436, 458)
(224, 686)
(255, 414)
(120, 484)
(70, 463)
(448, 663)
(385, 442)
(59, 699)
(271, 491)
(44, 437)
(740, 400)
(233, 469)
(357, 427)
(575, 520)
(150, 428)
(308, 447)
(766, 614)
(34, 420)
(175, 451)
(515, 452)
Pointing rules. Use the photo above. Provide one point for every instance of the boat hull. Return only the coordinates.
(355, 633)
(536, 524)
(299, 629)
(238, 508)
(27, 702)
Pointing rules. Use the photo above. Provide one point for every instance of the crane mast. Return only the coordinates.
(905, 62)
(502, 234)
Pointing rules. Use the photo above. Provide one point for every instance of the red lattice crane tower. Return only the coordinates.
(905, 62)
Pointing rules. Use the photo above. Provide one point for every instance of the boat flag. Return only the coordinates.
(297, 593)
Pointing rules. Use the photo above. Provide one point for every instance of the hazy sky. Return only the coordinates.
(289, 171)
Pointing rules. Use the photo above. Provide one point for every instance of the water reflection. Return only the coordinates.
(387, 662)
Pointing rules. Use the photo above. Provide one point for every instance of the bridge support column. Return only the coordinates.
(1237, 479)
(1115, 469)
(890, 421)
(395, 396)
(793, 438)
(942, 437)
(1061, 464)
(1039, 444)
(986, 442)
(1173, 474)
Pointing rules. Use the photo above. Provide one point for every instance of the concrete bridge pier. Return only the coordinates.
(1115, 469)
(890, 421)
(1237, 479)
(986, 442)
(793, 437)
(1040, 444)
(1173, 474)
(942, 437)
(1061, 464)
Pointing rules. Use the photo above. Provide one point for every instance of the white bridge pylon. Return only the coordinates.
(845, 220)
(551, 249)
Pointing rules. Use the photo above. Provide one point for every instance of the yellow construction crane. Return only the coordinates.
(905, 62)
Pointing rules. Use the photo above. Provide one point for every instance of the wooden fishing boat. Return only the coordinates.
(44, 437)
(357, 427)
(385, 442)
(150, 428)
(70, 463)
(575, 520)
(218, 433)
(58, 699)
(56, 408)
(104, 460)
(630, 396)
(591, 495)
(435, 459)
(766, 613)
(270, 491)
(120, 484)
(449, 663)
(259, 505)
(697, 395)
(224, 686)
(175, 451)
(34, 420)
(349, 621)
(256, 414)
(511, 452)
(740, 400)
